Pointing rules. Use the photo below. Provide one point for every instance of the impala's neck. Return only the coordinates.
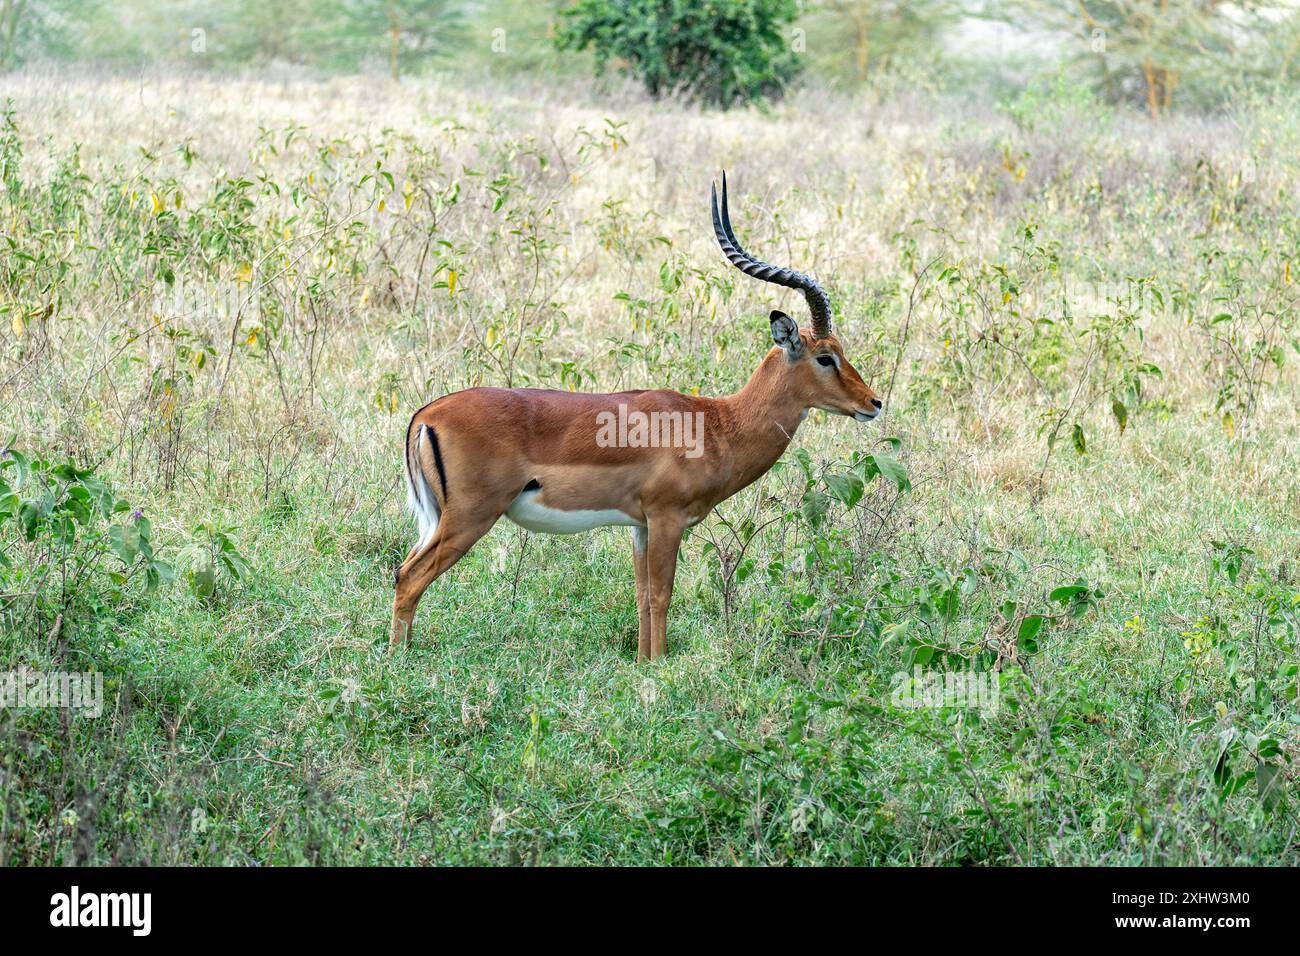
(765, 414)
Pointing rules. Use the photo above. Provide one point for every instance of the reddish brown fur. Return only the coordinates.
(493, 441)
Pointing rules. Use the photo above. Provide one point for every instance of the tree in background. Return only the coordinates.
(853, 38)
(1157, 55)
(1148, 47)
(334, 34)
(721, 52)
(329, 34)
(403, 32)
(247, 31)
(46, 28)
(12, 19)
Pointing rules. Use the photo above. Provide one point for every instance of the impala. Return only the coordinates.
(656, 461)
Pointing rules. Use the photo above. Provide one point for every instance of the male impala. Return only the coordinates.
(656, 461)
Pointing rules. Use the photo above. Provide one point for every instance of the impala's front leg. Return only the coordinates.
(661, 561)
(640, 541)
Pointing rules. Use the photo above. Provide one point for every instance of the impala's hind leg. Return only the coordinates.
(456, 534)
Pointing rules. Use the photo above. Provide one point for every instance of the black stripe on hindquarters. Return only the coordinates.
(406, 455)
(533, 485)
(437, 460)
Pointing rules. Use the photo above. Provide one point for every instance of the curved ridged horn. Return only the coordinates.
(818, 302)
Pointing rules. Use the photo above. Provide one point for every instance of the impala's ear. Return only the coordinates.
(785, 333)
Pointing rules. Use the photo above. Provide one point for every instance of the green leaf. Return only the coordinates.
(203, 580)
(163, 570)
(1272, 784)
(846, 488)
(1019, 739)
(1029, 628)
(890, 467)
(949, 604)
(1067, 592)
(743, 570)
(1120, 412)
(125, 542)
(1080, 444)
(814, 506)
(1223, 778)
(805, 462)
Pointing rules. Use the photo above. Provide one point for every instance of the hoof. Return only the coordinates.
(398, 635)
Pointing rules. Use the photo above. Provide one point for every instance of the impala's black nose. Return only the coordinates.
(876, 402)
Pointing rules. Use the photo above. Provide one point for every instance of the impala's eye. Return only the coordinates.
(825, 360)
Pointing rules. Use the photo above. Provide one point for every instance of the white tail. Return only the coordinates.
(420, 501)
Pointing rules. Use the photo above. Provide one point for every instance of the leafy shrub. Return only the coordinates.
(61, 527)
(720, 53)
(211, 554)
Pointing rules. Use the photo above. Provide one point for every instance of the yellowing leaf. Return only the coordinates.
(406, 200)
(18, 326)
(168, 404)
(155, 203)
(252, 338)
(244, 273)
(451, 282)
(382, 205)
(491, 336)
(1228, 425)
(1286, 274)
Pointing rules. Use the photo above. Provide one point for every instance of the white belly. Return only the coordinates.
(527, 512)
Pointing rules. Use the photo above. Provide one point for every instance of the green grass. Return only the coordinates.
(518, 729)
(266, 723)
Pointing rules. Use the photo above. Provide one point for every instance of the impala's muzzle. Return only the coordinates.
(867, 415)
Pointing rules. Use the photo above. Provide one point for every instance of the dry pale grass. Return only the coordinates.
(861, 193)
